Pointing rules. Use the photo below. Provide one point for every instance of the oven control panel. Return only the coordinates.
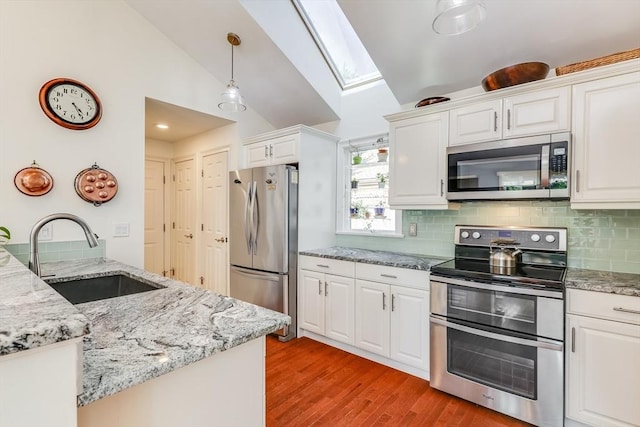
(540, 238)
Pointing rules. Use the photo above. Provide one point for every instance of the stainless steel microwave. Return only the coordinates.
(535, 167)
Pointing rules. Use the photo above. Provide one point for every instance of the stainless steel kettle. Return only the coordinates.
(505, 254)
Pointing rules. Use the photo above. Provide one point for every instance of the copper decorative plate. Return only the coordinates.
(432, 100)
(33, 181)
(96, 185)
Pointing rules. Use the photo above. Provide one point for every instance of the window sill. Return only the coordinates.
(371, 234)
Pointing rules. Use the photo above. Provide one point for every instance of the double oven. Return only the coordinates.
(497, 334)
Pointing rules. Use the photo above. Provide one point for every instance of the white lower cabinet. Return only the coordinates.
(603, 354)
(327, 300)
(410, 326)
(372, 317)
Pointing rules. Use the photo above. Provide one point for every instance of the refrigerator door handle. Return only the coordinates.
(247, 231)
(263, 276)
(255, 217)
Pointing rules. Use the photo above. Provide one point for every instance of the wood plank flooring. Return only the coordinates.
(312, 384)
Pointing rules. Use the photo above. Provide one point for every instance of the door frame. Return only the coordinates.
(166, 209)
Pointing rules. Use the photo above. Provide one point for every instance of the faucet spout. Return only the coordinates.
(34, 261)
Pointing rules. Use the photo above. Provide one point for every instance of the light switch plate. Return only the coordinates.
(121, 230)
(413, 229)
(46, 232)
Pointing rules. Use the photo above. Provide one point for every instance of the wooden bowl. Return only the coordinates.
(515, 74)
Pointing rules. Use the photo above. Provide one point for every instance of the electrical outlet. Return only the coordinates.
(121, 230)
(46, 232)
(413, 229)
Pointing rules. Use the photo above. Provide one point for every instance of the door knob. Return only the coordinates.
(190, 235)
(220, 240)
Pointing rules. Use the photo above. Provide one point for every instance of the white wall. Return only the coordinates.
(108, 46)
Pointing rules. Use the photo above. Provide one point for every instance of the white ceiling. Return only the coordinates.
(414, 61)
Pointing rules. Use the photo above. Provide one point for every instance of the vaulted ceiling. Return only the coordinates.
(283, 77)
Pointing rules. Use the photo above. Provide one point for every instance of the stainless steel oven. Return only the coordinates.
(534, 167)
(497, 339)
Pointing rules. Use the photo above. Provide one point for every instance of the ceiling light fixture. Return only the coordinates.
(162, 126)
(458, 16)
(231, 98)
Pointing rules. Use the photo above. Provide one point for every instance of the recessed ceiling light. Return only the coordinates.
(162, 126)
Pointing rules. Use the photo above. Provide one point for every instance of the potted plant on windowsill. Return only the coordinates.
(354, 183)
(357, 210)
(382, 179)
(379, 209)
(5, 235)
(357, 158)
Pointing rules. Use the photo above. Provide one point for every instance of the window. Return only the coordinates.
(338, 42)
(364, 189)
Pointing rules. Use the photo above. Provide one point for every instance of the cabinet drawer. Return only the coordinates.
(417, 279)
(604, 306)
(327, 265)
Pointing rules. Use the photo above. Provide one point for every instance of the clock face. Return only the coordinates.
(70, 104)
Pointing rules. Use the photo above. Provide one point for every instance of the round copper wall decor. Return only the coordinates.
(96, 185)
(33, 181)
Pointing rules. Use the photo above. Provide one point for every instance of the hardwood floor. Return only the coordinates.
(312, 384)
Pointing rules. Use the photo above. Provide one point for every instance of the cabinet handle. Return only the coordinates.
(495, 121)
(322, 265)
(393, 302)
(266, 151)
(577, 180)
(270, 150)
(441, 187)
(319, 287)
(390, 276)
(326, 289)
(573, 340)
(384, 301)
(508, 119)
(626, 310)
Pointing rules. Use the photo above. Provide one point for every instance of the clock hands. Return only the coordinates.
(78, 110)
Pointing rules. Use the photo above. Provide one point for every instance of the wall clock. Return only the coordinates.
(70, 104)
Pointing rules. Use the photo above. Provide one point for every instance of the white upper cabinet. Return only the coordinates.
(277, 151)
(606, 148)
(543, 111)
(417, 168)
(476, 123)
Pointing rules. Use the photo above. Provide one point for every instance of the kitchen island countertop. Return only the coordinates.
(138, 337)
(367, 256)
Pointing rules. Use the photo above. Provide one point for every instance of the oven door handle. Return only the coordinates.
(497, 287)
(529, 343)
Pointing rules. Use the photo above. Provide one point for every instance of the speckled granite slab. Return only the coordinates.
(31, 313)
(603, 281)
(138, 337)
(391, 259)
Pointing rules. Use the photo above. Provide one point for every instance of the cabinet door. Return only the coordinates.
(532, 113)
(257, 154)
(476, 123)
(417, 169)
(606, 145)
(339, 312)
(312, 301)
(603, 371)
(372, 317)
(284, 150)
(410, 326)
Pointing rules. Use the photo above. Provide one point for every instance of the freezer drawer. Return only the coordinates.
(267, 290)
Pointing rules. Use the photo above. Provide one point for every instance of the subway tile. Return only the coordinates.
(625, 266)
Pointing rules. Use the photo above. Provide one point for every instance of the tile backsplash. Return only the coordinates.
(58, 251)
(598, 239)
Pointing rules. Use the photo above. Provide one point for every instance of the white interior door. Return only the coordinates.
(214, 222)
(184, 221)
(154, 213)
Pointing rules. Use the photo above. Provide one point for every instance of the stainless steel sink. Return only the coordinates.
(99, 288)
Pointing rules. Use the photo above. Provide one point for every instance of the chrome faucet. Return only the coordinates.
(34, 262)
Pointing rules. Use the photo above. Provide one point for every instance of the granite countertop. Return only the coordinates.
(138, 337)
(31, 313)
(603, 281)
(391, 259)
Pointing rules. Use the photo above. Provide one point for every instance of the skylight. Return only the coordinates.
(338, 42)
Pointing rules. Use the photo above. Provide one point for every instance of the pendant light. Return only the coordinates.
(231, 98)
(457, 16)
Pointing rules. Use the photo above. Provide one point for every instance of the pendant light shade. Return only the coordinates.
(231, 101)
(457, 16)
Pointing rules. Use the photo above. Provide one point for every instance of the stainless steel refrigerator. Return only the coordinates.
(263, 239)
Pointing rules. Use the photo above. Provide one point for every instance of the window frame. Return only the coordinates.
(343, 190)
